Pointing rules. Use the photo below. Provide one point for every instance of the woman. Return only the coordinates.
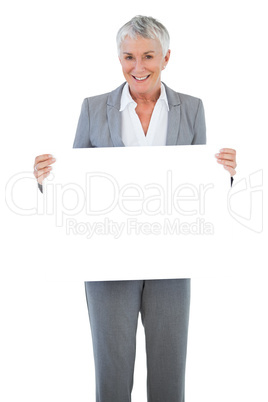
(141, 112)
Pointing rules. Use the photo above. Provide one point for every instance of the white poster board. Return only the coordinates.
(132, 213)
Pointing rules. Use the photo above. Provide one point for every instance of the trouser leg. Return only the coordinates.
(165, 316)
(113, 308)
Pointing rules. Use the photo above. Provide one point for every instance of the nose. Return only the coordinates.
(139, 66)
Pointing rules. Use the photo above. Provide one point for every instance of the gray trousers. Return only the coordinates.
(114, 307)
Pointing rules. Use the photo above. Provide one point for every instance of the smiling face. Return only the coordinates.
(142, 61)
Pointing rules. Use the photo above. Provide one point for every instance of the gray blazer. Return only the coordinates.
(99, 124)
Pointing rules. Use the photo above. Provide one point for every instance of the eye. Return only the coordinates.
(148, 56)
(128, 57)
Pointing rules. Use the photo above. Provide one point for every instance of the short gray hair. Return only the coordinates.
(146, 27)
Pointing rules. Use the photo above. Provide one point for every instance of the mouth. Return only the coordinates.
(141, 78)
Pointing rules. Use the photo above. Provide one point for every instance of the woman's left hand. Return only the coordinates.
(227, 158)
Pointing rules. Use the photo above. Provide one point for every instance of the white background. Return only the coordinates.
(46, 351)
(54, 55)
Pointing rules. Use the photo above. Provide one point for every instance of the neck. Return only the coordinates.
(145, 98)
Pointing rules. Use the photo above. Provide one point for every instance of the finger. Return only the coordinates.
(42, 165)
(225, 157)
(42, 177)
(227, 163)
(42, 158)
(40, 172)
(228, 150)
(230, 164)
(230, 157)
(230, 170)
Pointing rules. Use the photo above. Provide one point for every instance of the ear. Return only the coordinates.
(167, 56)
(166, 59)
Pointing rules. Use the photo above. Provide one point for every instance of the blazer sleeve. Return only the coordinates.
(199, 126)
(82, 138)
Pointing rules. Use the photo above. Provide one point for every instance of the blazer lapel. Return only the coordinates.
(174, 116)
(114, 117)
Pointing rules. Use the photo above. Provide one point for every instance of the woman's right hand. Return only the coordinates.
(41, 166)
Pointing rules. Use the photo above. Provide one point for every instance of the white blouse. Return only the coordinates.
(132, 131)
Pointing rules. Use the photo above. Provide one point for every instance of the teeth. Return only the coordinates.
(141, 79)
